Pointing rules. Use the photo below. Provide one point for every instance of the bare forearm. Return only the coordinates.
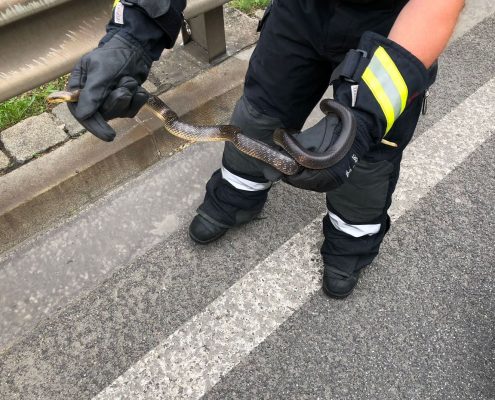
(424, 27)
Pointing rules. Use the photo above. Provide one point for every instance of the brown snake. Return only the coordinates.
(288, 164)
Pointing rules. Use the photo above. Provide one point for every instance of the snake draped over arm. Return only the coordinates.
(288, 162)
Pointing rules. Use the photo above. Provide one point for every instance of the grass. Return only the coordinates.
(249, 6)
(28, 104)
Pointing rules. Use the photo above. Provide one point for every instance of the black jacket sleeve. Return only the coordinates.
(153, 24)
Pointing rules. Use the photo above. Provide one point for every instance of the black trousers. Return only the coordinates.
(301, 42)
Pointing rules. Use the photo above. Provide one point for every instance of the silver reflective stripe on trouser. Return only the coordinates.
(353, 230)
(242, 183)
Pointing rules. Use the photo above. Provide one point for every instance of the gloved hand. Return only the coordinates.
(320, 138)
(377, 83)
(109, 78)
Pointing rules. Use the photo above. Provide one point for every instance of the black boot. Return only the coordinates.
(337, 283)
(344, 256)
(203, 231)
(224, 207)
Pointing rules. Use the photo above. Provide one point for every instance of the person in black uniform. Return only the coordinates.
(380, 56)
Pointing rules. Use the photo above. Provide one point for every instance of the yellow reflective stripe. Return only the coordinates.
(381, 97)
(115, 3)
(394, 74)
(387, 85)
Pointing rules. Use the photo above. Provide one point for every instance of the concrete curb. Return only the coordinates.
(47, 189)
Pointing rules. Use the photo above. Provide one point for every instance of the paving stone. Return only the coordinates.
(259, 13)
(175, 67)
(240, 30)
(185, 62)
(4, 161)
(150, 87)
(32, 136)
(72, 127)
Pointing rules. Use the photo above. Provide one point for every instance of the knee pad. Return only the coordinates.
(256, 125)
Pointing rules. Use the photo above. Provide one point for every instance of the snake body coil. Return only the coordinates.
(288, 164)
(335, 153)
(197, 133)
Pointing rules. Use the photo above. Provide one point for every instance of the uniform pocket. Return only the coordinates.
(362, 198)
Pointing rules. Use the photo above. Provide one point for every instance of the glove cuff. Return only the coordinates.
(384, 79)
(153, 28)
(125, 39)
(167, 14)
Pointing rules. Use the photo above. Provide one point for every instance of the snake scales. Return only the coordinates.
(288, 162)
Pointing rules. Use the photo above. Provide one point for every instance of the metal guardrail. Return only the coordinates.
(13, 10)
(206, 26)
(41, 40)
(45, 45)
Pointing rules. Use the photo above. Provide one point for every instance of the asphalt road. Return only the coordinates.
(118, 303)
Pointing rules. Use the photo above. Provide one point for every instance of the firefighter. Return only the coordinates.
(379, 55)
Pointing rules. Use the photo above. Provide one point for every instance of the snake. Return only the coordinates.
(288, 160)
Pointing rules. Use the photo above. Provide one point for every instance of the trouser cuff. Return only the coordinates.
(228, 205)
(351, 252)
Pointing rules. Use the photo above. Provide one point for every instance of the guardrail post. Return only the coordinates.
(208, 31)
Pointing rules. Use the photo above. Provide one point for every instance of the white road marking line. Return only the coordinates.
(194, 358)
(433, 155)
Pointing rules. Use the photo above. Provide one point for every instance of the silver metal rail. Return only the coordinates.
(13, 10)
(41, 40)
(47, 44)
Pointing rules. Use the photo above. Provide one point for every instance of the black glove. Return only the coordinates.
(109, 79)
(110, 76)
(377, 83)
(320, 138)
